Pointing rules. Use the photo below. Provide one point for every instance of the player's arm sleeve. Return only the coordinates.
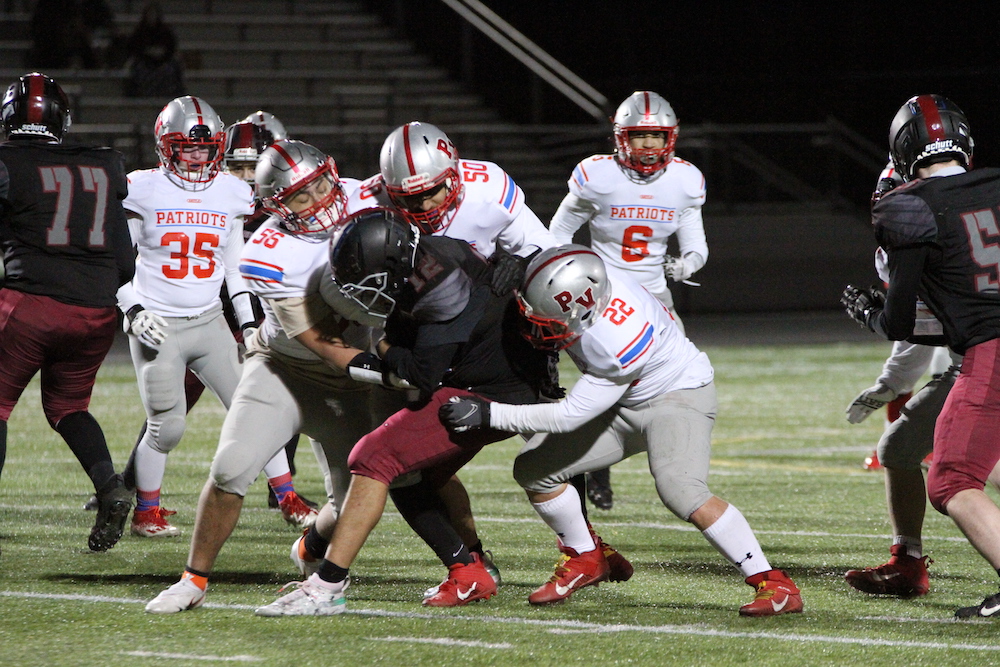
(573, 212)
(324, 339)
(906, 265)
(525, 233)
(120, 239)
(904, 367)
(589, 397)
(235, 285)
(691, 238)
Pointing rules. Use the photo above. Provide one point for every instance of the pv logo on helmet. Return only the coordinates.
(564, 299)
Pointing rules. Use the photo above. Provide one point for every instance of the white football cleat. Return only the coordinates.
(182, 596)
(306, 568)
(308, 599)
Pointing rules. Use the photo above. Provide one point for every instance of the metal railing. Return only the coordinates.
(532, 56)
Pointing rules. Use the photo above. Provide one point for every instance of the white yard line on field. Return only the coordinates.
(567, 626)
(440, 641)
(188, 656)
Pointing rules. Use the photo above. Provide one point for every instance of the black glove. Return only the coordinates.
(461, 414)
(863, 305)
(550, 391)
(366, 367)
(508, 272)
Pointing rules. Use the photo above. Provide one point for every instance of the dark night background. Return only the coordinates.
(742, 62)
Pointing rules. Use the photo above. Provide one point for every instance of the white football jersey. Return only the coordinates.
(492, 211)
(276, 264)
(188, 242)
(631, 220)
(636, 341)
(633, 353)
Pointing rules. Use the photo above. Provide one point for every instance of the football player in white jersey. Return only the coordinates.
(644, 387)
(285, 389)
(633, 202)
(186, 221)
(422, 177)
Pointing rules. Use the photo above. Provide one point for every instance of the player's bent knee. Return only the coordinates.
(166, 432)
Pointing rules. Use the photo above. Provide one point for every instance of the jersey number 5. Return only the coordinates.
(986, 255)
(204, 247)
(60, 181)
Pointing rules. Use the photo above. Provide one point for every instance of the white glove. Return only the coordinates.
(868, 401)
(677, 269)
(148, 327)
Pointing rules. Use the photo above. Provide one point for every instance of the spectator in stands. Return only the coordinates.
(60, 36)
(154, 68)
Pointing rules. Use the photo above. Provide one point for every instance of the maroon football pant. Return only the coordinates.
(967, 432)
(66, 343)
(415, 439)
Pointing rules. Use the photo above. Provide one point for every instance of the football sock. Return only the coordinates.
(331, 573)
(315, 544)
(282, 486)
(914, 545)
(290, 447)
(562, 514)
(732, 537)
(86, 440)
(579, 482)
(146, 500)
(199, 579)
(425, 512)
(477, 548)
(129, 473)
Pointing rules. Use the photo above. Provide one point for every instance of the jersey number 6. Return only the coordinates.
(634, 246)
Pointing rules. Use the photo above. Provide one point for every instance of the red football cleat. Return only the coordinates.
(903, 576)
(776, 594)
(465, 584)
(573, 572)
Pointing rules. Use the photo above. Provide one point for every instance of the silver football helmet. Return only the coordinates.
(565, 290)
(416, 162)
(269, 123)
(187, 128)
(299, 184)
(644, 111)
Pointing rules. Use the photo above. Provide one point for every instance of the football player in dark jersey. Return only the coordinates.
(66, 250)
(448, 335)
(940, 232)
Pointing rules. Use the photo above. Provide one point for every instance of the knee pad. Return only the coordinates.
(165, 433)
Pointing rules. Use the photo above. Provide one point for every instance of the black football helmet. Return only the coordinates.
(35, 106)
(373, 259)
(928, 128)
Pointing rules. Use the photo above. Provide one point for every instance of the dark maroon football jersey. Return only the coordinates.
(62, 226)
(943, 241)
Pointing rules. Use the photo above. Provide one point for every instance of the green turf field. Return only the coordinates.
(783, 453)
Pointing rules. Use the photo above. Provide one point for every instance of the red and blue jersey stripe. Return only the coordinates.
(252, 269)
(580, 175)
(509, 196)
(639, 345)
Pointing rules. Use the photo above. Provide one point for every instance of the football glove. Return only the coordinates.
(868, 401)
(678, 269)
(465, 413)
(366, 367)
(863, 305)
(508, 272)
(145, 325)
